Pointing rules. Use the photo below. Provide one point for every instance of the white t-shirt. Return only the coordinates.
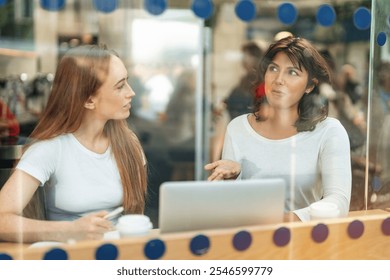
(314, 164)
(76, 180)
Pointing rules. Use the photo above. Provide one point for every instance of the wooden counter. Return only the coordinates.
(361, 235)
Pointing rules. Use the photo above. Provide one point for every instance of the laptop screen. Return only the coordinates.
(201, 205)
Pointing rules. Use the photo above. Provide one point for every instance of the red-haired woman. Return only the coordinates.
(81, 153)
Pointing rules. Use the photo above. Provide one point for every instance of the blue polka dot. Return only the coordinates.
(3, 2)
(381, 39)
(282, 236)
(154, 249)
(55, 254)
(52, 5)
(287, 13)
(245, 10)
(202, 8)
(155, 7)
(107, 252)
(355, 229)
(5, 257)
(242, 240)
(320, 233)
(105, 6)
(326, 15)
(200, 245)
(362, 18)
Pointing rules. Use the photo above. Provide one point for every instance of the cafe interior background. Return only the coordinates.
(184, 57)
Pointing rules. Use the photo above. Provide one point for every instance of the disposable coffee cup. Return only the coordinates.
(323, 210)
(133, 225)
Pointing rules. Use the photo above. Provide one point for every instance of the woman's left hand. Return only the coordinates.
(223, 169)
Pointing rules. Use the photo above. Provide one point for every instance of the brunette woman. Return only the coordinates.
(289, 134)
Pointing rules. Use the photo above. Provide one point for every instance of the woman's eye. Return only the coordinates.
(121, 86)
(272, 68)
(293, 73)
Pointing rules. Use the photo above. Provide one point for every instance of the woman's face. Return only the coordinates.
(285, 84)
(113, 98)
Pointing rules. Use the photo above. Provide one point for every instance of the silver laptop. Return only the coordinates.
(200, 205)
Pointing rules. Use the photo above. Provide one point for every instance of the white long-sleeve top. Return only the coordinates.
(315, 165)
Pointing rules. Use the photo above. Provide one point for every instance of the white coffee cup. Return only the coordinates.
(323, 210)
(133, 225)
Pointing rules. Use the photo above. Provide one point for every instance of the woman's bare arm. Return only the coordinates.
(15, 195)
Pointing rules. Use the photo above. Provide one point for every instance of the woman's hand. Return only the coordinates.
(290, 217)
(223, 169)
(91, 226)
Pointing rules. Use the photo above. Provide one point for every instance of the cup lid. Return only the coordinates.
(324, 209)
(136, 220)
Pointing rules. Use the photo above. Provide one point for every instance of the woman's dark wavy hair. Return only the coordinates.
(312, 108)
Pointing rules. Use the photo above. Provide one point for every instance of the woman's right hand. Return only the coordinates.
(223, 169)
(91, 226)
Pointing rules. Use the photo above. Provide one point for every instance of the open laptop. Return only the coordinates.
(200, 205)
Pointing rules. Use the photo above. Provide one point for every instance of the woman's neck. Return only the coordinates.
(279, 124)
(92, 137)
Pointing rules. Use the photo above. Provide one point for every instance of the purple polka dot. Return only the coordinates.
(386, 226)
(282, 236)
(242, 240)
(320, 233)
(355, 229)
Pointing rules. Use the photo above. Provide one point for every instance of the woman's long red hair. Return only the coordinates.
(79, 75)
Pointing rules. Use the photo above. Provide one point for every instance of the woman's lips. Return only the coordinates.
(277, 92)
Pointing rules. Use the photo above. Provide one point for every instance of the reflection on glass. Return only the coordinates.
(163, 74)
(378, 188)
(162, 51)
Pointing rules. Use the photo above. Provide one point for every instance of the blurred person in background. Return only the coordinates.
(9, 125)
(240, 99)
(351, 96)
(179, 117)
(380, 137)
(348, 110)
